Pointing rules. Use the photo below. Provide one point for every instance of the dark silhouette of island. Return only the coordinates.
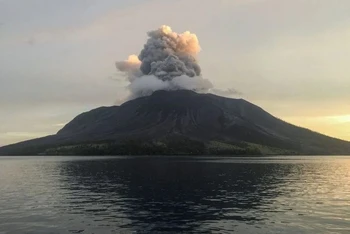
(180, 123)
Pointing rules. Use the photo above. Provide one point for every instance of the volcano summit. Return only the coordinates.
(180, 122)
(171, 111)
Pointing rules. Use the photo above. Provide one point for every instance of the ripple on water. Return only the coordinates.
(149, 195)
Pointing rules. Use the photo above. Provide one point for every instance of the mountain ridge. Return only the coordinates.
(164, 116)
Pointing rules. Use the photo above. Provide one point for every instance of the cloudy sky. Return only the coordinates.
(291, 57)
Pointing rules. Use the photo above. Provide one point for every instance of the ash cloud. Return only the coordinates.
(226, 92)
(167, 62)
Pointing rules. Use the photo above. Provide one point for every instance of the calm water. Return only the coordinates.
(174, 195)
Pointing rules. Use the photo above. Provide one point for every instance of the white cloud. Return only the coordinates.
(25, 134)
(60, 125)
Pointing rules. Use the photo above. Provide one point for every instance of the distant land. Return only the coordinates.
(180, 123)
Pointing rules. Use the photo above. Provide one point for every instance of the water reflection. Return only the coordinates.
(174, 195)
(154, 194)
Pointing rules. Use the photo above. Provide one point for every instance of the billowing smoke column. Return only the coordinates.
(167, 62)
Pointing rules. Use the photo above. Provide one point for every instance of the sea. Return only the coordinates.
(163, 194)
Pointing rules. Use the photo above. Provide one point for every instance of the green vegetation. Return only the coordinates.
(133, 147)
(173, 146)
(221, 148)
(267, 150)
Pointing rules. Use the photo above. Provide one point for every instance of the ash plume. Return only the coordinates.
(226, 92)
(167, 62)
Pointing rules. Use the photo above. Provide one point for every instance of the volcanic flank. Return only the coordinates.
(171, 111)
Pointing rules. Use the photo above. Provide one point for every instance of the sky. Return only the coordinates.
(57, 57)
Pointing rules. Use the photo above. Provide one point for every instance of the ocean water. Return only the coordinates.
(174, 195)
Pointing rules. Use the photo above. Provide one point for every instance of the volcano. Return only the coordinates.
(180, 122)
